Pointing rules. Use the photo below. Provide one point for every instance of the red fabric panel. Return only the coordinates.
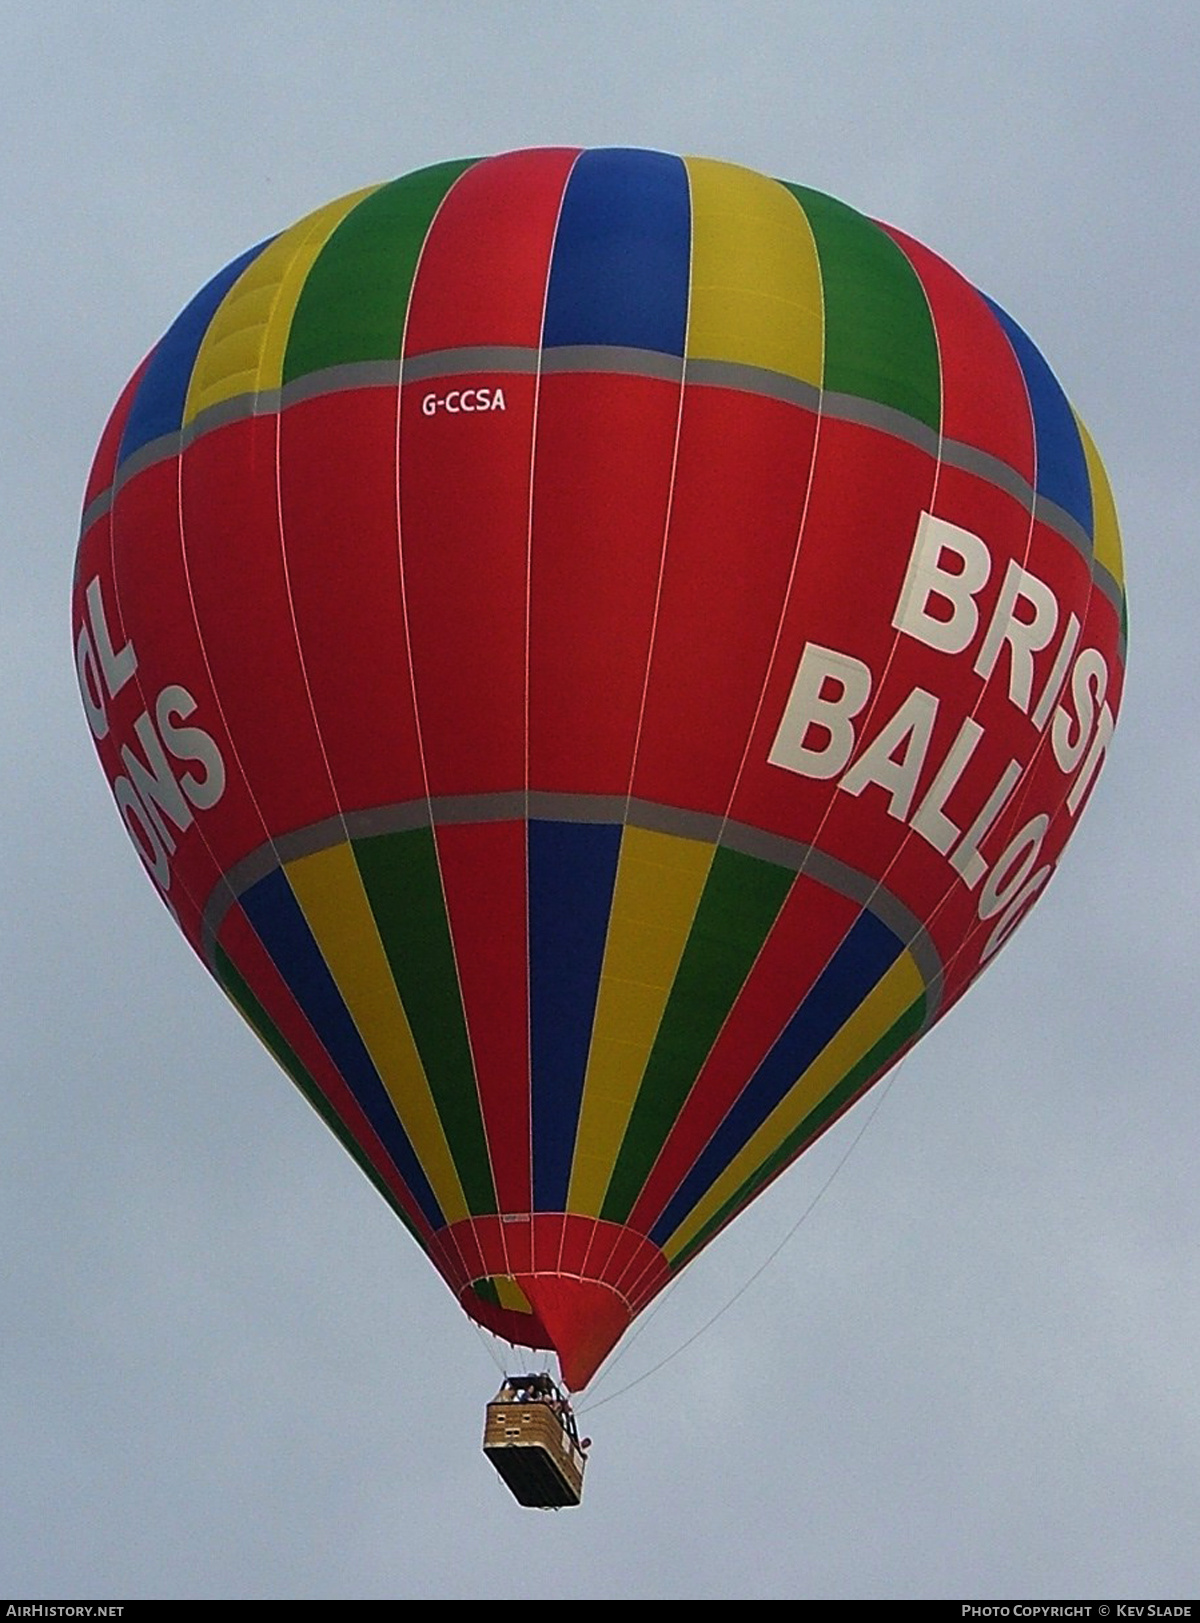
(464, 297)
(235, 562)
(742, 478)
(337, 481)
(602, 478)
(585, 1322)
(984, 403)
(464, 543)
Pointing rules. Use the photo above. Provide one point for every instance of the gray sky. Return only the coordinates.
(972, 1372)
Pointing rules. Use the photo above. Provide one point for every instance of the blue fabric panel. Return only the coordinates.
(622, 253)
(864, 957)
(157, 407)
(572, 871)
(280, 925)
(1062, 474)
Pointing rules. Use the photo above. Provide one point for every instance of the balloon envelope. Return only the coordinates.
(597, 650)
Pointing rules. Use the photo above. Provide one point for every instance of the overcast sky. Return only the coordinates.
(224, 1368)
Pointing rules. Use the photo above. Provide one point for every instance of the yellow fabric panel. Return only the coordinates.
(330, 891)
(1107, 541)
(510, 1293)
(243, 349)
(659, 881)
(875, 1015)
(756, 281)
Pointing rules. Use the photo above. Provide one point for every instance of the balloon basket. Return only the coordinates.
(530, 1437)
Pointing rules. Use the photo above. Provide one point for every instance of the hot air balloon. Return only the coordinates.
(597, 650)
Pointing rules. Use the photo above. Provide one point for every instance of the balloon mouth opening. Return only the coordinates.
(580, 1320)
(554, 1281)
(498, 1303)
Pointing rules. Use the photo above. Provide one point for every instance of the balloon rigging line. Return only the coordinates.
(885, 1089)
(485, 1337)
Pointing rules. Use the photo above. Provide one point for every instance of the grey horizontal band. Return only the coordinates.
(528, 360)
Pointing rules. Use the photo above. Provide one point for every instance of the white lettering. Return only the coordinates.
(1058, 674)
(117, 666)
(929, 819)
(965, 858)
(1100, 738)
(954, 590)
(90, 690)
(1024, 637)
(155, 783)
(190, 744)
(828, 691)
(1019, 856)
(1014, 912)
(458, 401)
(143, 832)
(909, 731)
(1089, 683)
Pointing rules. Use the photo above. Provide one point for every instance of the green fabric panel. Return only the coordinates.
(880, 342)
(404, 887)
(486, 1291)
(354, 302)
(904, 1028)
(739, 904)
(239, 993)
